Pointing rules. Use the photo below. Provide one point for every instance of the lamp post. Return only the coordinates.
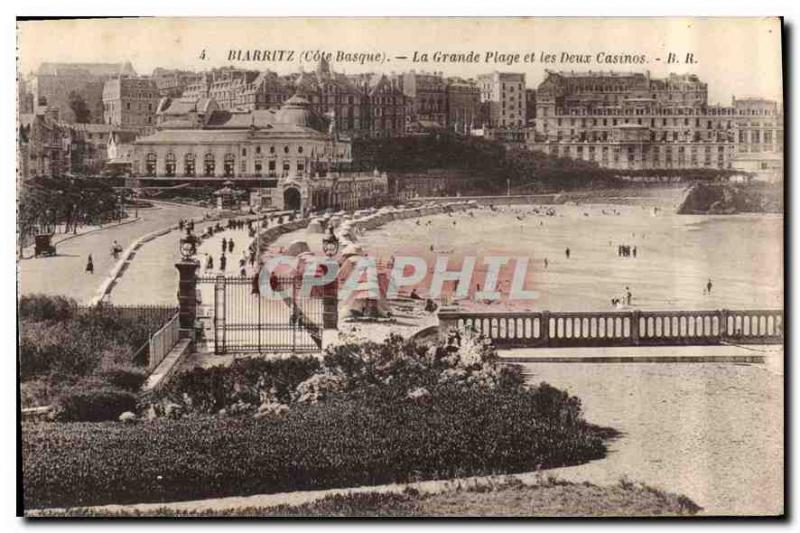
(188, 246)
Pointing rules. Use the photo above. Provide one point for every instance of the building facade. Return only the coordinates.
(61, 83)
(426, 99)
(463, 105)
(289, 153)
(172, 82)
(632, 121)
(130, 103)
(759, 138)
(504, 94)
(43, 145)
(384, 106)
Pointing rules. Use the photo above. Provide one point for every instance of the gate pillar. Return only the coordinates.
(187, 296)
(330, 312)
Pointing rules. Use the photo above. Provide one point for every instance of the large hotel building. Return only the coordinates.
(633, 121)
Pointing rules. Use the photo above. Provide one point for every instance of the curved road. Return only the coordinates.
(65, 274)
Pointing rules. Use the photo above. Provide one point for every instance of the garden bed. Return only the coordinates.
(367, 414)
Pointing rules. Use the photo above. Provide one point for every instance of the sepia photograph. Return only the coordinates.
(453, 267)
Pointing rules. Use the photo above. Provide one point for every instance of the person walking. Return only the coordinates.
(222, 262)
(230, 246)
(708, 286)
(628, 296)
(224, 244)
(566, 252)
(210, 262)
(90, 265)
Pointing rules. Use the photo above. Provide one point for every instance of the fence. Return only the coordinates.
(162, 341)
(244, 321)
(153, 315)
(606, 329)
(153, 320)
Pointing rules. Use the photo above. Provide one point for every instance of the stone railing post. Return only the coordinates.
(544, 328)
(635, 327)
(448, 320)
(723, 324)
(187, 296)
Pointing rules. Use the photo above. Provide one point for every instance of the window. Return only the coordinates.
(285, 149)
(229, 165)
(299, 149)
(209, 164)
(150, 164)
(170, 164)
(188, 165)
(244, 152)
(272, 149)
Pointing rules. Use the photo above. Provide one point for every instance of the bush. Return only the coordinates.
(39, 307)
(94, 405)
(335, 443)
(250, 380)
(125, 377)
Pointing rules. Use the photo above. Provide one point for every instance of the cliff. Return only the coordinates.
(729, 198)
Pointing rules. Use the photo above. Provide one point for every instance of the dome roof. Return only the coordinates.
(296, 111)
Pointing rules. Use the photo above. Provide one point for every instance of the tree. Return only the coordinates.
(77, 104)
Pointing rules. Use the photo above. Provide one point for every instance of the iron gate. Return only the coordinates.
(244, 321)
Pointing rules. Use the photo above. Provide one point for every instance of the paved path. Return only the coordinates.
(648, 354)
(152, 277)
(65, 274)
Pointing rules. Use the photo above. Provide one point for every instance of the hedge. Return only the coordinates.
(337, 443)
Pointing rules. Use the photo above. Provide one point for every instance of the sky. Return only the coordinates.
(735, 56)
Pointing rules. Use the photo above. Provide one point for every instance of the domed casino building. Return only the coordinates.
(287, 158)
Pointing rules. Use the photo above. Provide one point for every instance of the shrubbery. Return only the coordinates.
(336, 443)
(62, 346)
(95, 404)
(38, 307)
(251, 380)
(369, 413)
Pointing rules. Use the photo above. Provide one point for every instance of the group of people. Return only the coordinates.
(626, 250)
(187, 224)
(627, 298)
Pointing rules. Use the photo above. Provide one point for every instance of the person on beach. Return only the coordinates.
(90, 265)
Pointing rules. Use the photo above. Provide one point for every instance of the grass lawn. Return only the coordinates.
(490, 498)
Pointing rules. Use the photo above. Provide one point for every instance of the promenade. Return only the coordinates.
(65, 274)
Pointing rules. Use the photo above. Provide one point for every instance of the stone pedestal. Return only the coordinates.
(330, 305)
(187, 295)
